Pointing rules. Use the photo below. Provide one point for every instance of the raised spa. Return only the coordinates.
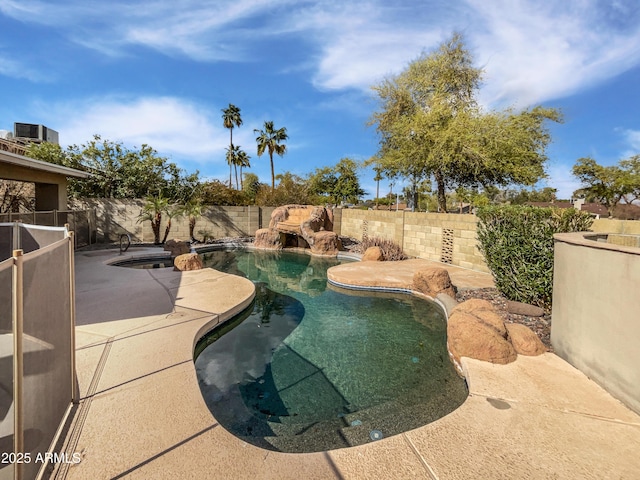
(309, 367)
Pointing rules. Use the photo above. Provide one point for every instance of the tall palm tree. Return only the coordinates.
(243, 162)
(270, 139)
(232, 159)
(377, 178)
(230, 118)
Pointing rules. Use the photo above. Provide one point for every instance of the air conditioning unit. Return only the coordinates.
(35, 132)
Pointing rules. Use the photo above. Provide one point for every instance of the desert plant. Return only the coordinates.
(391, 251)
(193, 210)
(517, 243)
(152, 211)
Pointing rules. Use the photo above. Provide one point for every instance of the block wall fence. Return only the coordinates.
(449, 238)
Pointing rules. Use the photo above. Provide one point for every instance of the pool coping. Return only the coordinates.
(132, 365)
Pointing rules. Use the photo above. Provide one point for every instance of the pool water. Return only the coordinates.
(309, 367)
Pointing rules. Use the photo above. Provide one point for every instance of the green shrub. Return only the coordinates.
(391, 251)
(517, 243)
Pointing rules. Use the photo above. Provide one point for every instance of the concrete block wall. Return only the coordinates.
(115, 217)
(610, 225)
(441, 237)
(434, 236)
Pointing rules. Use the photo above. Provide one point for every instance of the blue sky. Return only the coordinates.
(159, 72)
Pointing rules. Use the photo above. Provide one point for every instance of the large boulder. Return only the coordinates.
(187, 262)
(432, 281)
(268, 238)
(485, 313)
(176, 247)
(467, 336)
(524, 340)
(326, 243)
(373, 254)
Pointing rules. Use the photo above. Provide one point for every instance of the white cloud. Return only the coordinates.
(16, 69)
(173, 126)
(633, 139)
(534, 52)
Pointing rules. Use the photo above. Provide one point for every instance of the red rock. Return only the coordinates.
(469, 337)
(267, 238)
(432, 281)
(373, 254)
(186, 262)
(524, 340)
(176, 247)
(526, 309)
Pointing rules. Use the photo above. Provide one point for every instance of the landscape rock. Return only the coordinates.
(433, 281)
(187, 262)
(524, 340)
(267, 238)
(519, 308)
(469, 337)
(325, 243)
(176, 247)
(373, 254)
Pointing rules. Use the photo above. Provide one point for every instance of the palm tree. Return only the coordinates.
(270, 139)
(230, 118)
(152, 211)
(243, 162)
(377, 178)
(232, 159)
(193, 210)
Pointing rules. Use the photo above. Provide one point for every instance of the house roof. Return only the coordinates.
(39, 165)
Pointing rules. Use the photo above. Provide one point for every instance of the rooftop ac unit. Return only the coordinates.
(35, 132)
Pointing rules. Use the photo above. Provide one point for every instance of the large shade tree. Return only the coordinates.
(271, 140)
(609, 185)
(231, 118)
(120, 172)
(430, 124)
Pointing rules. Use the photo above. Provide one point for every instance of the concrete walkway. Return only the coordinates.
(142, 415)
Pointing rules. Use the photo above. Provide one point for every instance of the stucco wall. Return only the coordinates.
(596, 312)
(442, 237)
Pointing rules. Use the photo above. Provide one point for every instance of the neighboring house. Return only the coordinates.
(621, 211)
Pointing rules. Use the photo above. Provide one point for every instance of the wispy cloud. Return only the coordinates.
(171, 125)
(532, 51)
(10, 67)
(633, 139)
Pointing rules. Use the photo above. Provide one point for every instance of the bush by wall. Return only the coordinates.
(517, 243)
(391, 251)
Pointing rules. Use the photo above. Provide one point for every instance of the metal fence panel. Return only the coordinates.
(47, 347)
(6, 366)
(6, 242)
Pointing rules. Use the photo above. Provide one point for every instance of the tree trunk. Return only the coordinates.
(166, 230)
(377, 193)
(442, 198)
(155, 226)
(273, 175)
(192, 226)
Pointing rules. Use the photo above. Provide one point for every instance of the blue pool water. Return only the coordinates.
(309, 367)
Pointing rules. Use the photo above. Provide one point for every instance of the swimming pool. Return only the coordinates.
(310, 367)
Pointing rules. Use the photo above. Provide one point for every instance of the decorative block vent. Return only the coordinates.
(365, 229)
(446, 256)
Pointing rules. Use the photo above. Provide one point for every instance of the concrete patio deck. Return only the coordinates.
(142, 415)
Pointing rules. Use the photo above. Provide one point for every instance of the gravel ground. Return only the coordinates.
(540, 325)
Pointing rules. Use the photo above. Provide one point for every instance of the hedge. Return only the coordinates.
(517, 243)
